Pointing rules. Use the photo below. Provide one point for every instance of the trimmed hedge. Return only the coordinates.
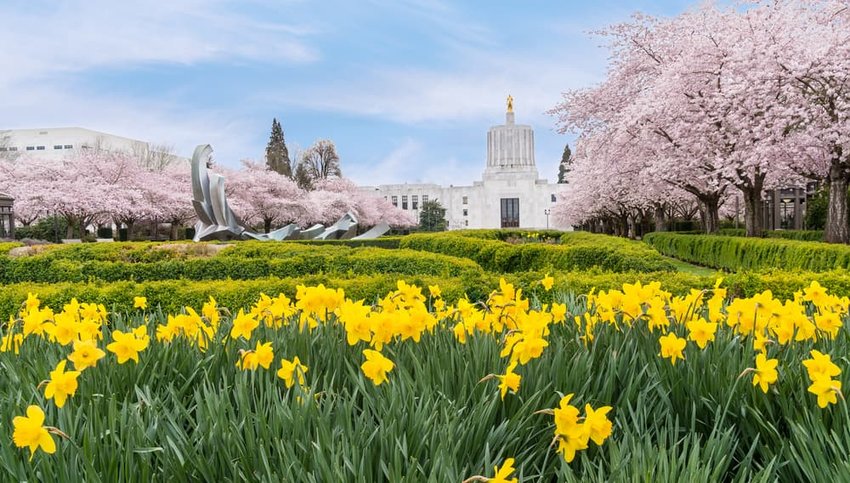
(577, 251)
(172, 295)
(738, 253)
(295, 261)
(801, 235)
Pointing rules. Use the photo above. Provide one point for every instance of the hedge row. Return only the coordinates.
(303, 261)
(588, 251)
(172, 295)
(801, 235)
(737, 253)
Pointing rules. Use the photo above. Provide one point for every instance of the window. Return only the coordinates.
(2, 149)
(510, 212)
(39, 148)
(415, 202)
(465, 200)
(57, 146)
(424, 199)
(395, 201)
(554, 199)
(403, 202)
(13, 148)
(30, 148)
(465, 212)
(69, 146)
(465, 222)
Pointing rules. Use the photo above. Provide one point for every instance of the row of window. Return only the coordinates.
(37, 148)
(414, 201)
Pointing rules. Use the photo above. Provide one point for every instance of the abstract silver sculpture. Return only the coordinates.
(216, 221)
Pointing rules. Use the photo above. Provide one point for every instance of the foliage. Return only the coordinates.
(186, 410)
(735, 253)
(816, 208)
(577, 251)
(46, 228)
(564, 167)
(277, 155)
(432, 217)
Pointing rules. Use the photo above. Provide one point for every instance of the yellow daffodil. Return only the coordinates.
(820, 366)
(61, 385)
(31, 433)
(243, 325)
(765, 372)
(598, 425)
(826, 390)
(140, 303)
(376, 366)
(509, 381)
(86, 354)
(547, 282)
(672, 347)
(126, 346)
(290, 370)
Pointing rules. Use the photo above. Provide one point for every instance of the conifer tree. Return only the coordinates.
(277, 156)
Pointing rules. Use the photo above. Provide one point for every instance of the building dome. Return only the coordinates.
(510, 146)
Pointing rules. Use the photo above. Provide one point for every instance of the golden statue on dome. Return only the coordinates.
(510, 103)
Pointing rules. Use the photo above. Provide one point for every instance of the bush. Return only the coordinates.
(736, 253)
(577, 251)
(60, 265)
(802, 235)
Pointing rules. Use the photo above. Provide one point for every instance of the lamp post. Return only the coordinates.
(546, 212)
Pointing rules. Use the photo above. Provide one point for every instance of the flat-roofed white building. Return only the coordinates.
(62, 141)
(509, 195)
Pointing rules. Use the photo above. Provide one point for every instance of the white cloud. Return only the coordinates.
(72, 36)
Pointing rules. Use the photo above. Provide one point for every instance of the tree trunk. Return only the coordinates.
(753, 207)
(630, 223)
(837, 217)
(710, 212)
(172, 235)
(267, 224)
(660, 218)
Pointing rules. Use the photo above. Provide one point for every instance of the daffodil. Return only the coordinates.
(86, 354)
(291, 370)
(61, 385)
(140, 303)
(31, 433)
(672, 347)
(509, 381)
(826, 390)
(765, 372)
(126, 346)
(820, 366)
(504, 472)
(701, 331)
(243, 325)
(376, 366)
(599, 427)
(547, 282)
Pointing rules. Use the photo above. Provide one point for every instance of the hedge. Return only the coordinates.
(801, 235)
(300, 261)
(172, 295)
(576, 252)
(737, 253)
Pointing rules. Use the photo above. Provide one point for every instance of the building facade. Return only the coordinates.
(56, 143)
(510, 193)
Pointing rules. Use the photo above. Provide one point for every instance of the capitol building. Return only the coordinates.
(511, 193)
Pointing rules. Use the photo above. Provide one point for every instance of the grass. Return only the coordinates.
(685, 267)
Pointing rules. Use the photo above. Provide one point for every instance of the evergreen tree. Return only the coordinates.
(277, 156)
(564, 166)
(432, 217)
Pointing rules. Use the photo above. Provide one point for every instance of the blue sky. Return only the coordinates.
(405, 88)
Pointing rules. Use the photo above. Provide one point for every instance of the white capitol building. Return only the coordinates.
(509, 195)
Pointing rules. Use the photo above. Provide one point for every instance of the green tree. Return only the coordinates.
(277, 156)
(564, 166)
(302, 176)
(432, 217)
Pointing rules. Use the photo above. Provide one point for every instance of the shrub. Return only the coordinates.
(737, 253)
(576, 251)
(65, 265)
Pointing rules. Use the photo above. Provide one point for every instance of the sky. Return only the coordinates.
(405, 88)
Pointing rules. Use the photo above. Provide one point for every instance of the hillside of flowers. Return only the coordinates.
(606, 385)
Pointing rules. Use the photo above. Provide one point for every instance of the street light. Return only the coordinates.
(546, 212)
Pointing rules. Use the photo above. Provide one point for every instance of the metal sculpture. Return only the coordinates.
(216, 221)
